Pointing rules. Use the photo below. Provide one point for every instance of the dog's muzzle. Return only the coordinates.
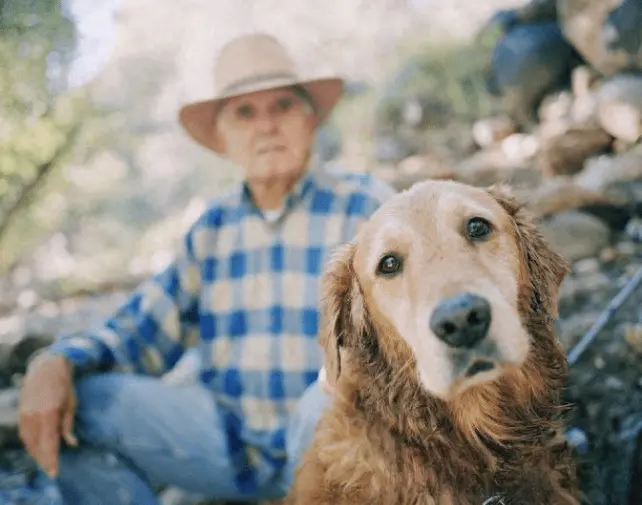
(461, 321)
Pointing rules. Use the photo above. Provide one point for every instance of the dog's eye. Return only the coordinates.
(478, 228)
(390, 264)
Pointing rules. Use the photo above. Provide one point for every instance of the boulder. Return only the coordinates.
(576, 235)
(558, 195)
(489, 131)
(492, 165)
(590, 27)
(565, 147)
(527, 62)
(602, 171)
(619, 107)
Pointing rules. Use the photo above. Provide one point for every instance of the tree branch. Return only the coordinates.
(25, 194)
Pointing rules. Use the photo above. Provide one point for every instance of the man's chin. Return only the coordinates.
(274, 171)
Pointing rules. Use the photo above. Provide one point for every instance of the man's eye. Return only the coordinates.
(478, 229)
(245, 111)
(284, 104)
(389, 265)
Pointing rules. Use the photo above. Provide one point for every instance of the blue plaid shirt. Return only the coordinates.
(245, 291)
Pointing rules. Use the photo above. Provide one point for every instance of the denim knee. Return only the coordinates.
(301, 429)
(101, 408)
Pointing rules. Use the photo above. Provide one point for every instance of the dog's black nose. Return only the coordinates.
(462, 320)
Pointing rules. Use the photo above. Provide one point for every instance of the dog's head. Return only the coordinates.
(444, 281)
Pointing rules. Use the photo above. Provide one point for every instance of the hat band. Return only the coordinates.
(238, 85)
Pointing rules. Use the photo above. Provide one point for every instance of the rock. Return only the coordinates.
(9, 417)
(572, 328)
(487, 167)
(527, 62)
(587, 266)
(622, 146)
(619, 107)
(584, 107)
(520, 148)
(602, 171)
(608, 255)
(583, 23)
(576, 235)
(23, 350)
(633, 337)
(613, 383)
(634, 229)
(557, 195)
(583, 79)
(428, 166)
(616, 216)
(390, 148)
(555, 107)
(565, 148)
(625, 248)
(414, 169)
(489, 131)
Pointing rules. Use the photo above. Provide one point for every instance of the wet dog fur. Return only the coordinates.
(409, 424)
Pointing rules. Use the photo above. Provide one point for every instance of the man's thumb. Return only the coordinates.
(68, 425)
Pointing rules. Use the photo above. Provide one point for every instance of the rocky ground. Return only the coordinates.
(580, 171)
(579, 168)
(605, 385)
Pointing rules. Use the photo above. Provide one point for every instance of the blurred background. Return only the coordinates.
(98, 181)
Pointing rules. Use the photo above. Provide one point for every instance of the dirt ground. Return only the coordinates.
(605, 384)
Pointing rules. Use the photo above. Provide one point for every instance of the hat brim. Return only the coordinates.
(199, 118)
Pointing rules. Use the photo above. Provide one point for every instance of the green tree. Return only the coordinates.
(39, 116)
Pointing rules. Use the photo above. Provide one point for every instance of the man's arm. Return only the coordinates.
(150, 332)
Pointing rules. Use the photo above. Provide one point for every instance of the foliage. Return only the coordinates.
(448, 80)
(38, 118)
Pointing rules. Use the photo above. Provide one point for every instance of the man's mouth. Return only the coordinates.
(270, 149)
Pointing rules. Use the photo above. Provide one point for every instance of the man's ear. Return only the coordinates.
(342, 309)
(544, 268)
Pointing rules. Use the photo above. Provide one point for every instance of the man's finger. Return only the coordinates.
(68, 426)
(49, 442)
(28, 433)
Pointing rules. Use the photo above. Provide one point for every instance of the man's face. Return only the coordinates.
(268, 133)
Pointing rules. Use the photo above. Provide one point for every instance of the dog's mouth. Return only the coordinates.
(479, 366)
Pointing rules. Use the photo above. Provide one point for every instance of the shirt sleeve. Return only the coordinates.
(150, 332)
(375, 193)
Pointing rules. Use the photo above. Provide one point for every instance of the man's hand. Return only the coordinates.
(47, 408)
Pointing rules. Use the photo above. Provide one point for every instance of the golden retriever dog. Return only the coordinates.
(438, 338)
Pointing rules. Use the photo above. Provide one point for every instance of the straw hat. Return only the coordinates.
(252, 63)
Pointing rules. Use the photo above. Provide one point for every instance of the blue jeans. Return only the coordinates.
(139, 432)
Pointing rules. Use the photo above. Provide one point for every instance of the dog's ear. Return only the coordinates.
(545, 269)
(342, 309)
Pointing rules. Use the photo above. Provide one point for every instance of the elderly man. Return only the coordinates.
(242, 290)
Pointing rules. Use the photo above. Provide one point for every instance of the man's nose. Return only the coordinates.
(266, 123)
(461, 320)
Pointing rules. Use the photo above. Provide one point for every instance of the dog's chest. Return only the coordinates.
(415, 477)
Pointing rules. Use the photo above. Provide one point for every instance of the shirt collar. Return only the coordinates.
(299, 190)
